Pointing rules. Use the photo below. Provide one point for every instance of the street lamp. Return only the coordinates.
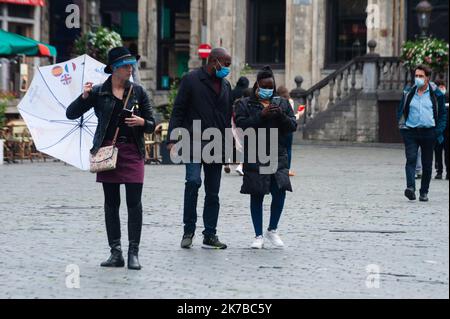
(424, 9)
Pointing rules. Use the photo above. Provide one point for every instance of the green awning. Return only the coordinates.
(13, 44)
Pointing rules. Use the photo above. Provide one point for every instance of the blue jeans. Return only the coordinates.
(213, 174)
(276, 208)
(438, 151)
(419, 162)
(426, 140)
(289, 142)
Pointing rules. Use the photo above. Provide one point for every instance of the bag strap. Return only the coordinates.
(125, 105)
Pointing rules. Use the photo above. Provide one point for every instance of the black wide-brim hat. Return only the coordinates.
(119, 54)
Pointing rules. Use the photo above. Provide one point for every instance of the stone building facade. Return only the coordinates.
(311, 38)
(317, 35)
(308, 38)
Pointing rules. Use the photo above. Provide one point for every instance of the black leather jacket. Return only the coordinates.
(102, 100)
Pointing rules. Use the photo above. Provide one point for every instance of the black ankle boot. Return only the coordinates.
(133, 259)
(116, 259)
(112, 221)
(134, 236)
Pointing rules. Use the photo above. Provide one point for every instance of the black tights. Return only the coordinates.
(112, 217)
(112, 194)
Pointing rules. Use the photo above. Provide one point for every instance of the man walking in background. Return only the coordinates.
(422, 119)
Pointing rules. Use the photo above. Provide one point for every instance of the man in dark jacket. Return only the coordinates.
(422, 119)
(204, 95)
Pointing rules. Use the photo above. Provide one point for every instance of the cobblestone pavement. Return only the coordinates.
(52, 217)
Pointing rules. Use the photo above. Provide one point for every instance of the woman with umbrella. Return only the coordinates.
(133, 120)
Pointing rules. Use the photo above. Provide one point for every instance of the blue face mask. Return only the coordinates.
(420, 82)
(265, 94)
(223, 72)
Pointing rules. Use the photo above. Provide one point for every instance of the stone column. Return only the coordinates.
(381, 28)
(318, 40)
(299, 28)
(227, 28)
(220, 23)
(148, 41)
(367, 101)
(196, 33)
(239, 43)
(370, 70)
(400, 24)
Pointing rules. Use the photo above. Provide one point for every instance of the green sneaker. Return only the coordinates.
(212, 242)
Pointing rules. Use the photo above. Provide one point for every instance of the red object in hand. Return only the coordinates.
(301, 108)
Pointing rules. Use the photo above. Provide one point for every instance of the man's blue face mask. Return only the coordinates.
(223, 72)
(419, 82)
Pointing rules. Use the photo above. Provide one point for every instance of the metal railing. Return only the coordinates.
(369, 73)
(341, 84)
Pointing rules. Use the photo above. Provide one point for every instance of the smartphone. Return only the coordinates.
(128, 113)
(276, 101)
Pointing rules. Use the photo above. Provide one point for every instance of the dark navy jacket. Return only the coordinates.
(439, 109)
(197, 99)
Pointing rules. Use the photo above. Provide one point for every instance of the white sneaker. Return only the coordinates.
(239, 170)
(258, 243)
(274, 238)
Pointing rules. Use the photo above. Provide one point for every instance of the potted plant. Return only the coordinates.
(429, 51)
(97, 43)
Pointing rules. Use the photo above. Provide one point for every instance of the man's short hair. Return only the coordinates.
(424, 68)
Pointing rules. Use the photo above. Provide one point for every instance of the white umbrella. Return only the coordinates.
(44, 107)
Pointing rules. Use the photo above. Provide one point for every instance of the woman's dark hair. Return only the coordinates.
(424, 68)
(265, 73)
(241, 86)
(243, 83)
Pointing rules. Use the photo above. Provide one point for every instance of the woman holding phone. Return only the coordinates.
(264, 109)
(133, 120)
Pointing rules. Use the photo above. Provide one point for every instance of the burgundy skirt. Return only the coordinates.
(129, 168)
